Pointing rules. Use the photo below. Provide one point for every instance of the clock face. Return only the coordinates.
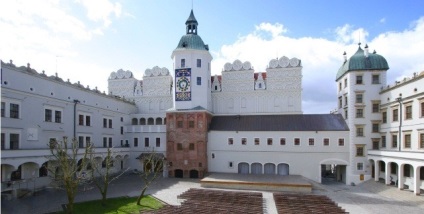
(183, 84)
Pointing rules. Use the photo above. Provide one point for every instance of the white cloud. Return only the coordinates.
(321, 58)
(101, 10)
(383, 20)
(347, 34)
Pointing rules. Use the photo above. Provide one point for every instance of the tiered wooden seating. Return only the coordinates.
(299, 203)
(201, 201)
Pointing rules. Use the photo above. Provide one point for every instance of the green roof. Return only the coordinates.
(358, 62)
(192, 41)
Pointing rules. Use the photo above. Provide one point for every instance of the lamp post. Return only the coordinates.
(75, 117)
(399, 99)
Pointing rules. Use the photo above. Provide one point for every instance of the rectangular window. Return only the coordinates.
(375, 79)
(191, 146)
(14, 110)
(199, 80)
(179, 146)
(340, 102)
(146, 142)
(81, 120)
(269, 141)
(359, 150)
(359, 131)
(359, 98)
(182, 63)
(282, 141)
(383, 141)
(3, 109)
(421, 140)
(346, 114)
(135, 142)
(311, 141)
(180, 124)
(158, 142)
(81, 141)
(395, 114)
(341, 142)
(191, 124)
(230, 164)
(104, 123)
(408, 141)
(243, 141)
(57, 116)
(375, 143)
(88, 120)
(340, 86)
(346, 101)
(408, 112)
(199, 63)
(104, 142)
(407, 170)
(359, 113)
(375, 127)
(14, 141)
(297, 141)
(359, 79)
(110, 143)
(345, 83)
(359, 166)
(257, 142)
(48, 115)
(422, 109)
(122, 130)
(394, 141)
(384, 116)
(3, 141)
(230, 141)
(87, 141)
(326, 141)
(110, 123)
(375, 107)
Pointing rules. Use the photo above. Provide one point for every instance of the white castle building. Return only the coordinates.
(242, 121)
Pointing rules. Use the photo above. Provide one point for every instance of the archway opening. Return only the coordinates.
(179, 173)
(194, 173)
(243, 168)
(283, 169)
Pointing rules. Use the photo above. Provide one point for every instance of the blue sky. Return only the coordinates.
(85, 40)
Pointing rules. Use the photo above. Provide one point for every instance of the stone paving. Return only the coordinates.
(369, 197)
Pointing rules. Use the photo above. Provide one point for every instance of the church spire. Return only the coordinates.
(191, 24)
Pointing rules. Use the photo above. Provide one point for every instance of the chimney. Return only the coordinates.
(344, 56)
(366, 52)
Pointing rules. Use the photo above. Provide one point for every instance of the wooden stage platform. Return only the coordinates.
(280, 183)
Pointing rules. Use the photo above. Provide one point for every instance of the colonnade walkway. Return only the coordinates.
(369, 197)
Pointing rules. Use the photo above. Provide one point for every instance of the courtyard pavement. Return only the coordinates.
(369, 197)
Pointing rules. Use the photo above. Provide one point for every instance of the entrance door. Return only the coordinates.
(256, 168)
(269, 169)
(243, 168)
(283, 169)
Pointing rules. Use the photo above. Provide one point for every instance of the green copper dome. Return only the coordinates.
(192, 41)
(359, 62)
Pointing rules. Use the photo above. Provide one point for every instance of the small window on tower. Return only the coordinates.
(199, 63)
(182, 63)
(199, 80)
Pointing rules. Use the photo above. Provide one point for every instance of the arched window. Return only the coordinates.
(150, 121)
(134, 121)
(158, 121)
(142, 121)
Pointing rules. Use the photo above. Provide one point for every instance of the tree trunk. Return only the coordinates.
(70, 206)
(104, 197)
(141, 196)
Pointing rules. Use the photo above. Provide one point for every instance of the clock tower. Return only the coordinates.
(188, 120)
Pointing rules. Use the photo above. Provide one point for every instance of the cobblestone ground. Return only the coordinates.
(369, 197)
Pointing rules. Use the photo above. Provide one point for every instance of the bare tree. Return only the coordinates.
(102, 174)
(67, 171)
(152, 167)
